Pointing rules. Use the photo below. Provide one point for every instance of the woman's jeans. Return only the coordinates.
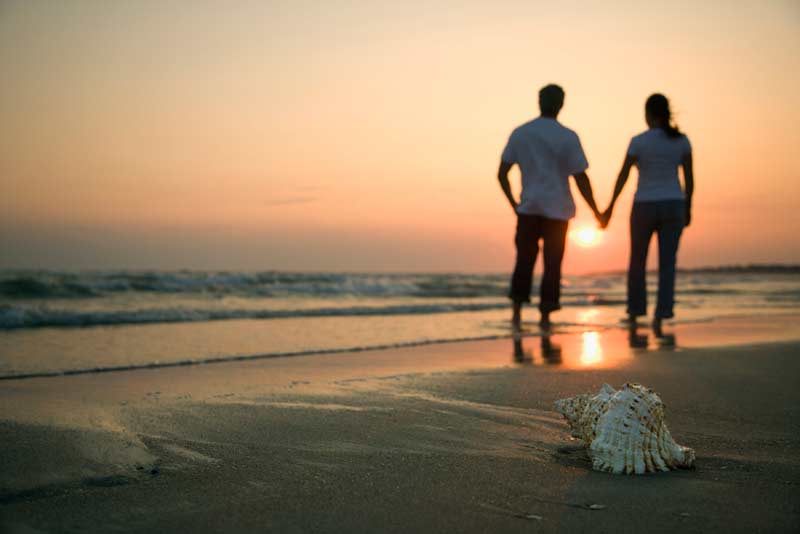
(666, 218)
(553, 233)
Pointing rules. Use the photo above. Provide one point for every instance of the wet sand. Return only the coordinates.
(453, 437)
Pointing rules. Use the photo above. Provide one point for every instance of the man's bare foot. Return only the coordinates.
(516, 317)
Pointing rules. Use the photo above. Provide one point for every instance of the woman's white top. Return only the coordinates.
(658, 158)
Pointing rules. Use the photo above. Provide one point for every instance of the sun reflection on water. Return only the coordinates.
(588, 316)
(592, 350)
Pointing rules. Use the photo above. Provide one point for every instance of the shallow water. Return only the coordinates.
(56, 322)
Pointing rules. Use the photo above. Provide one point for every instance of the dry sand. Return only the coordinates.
(458, 437)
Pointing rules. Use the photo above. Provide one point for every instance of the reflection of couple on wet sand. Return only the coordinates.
(548, 154)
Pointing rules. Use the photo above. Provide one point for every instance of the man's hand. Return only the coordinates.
(599, 217)
(502, 177)
(605, 218)
(585, 188)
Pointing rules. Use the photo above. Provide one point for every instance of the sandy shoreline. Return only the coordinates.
(459, 436)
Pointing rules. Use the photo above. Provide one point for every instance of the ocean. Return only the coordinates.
(55, 322)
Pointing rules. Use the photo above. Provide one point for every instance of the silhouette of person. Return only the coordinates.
(660, 206)
(547, 154)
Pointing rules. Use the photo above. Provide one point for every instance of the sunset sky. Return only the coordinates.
(365, 136)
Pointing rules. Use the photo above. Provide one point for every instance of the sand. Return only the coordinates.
(454, 437)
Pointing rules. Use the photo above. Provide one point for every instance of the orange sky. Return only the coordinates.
(365, 136)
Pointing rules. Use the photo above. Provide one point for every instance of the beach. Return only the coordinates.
(457, 436)
(307, 267)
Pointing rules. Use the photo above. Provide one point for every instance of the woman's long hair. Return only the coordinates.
(657, 106)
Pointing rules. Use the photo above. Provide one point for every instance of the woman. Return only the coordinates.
(660, 205)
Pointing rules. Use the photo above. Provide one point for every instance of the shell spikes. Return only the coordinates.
(625, 430)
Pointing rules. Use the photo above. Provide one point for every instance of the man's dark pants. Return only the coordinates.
(553, 233)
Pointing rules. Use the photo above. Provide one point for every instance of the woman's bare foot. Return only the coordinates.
(657, 327)
(544, 322)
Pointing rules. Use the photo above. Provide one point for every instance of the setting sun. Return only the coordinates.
(587, 236)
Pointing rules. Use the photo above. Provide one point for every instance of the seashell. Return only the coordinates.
(625, 430)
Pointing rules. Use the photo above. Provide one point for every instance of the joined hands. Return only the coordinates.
(603, 218)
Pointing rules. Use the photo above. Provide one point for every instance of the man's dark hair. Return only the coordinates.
(551, 98)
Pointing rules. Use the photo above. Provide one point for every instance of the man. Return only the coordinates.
(547, 154)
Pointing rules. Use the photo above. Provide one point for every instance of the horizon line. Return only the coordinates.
(765, 267)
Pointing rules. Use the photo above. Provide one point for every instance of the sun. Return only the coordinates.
(586, 236)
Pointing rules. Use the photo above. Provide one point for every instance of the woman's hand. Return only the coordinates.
(605, 217)
(601, 219)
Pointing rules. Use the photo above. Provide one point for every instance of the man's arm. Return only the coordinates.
(585, 187)
(688, 180)
(502, 177)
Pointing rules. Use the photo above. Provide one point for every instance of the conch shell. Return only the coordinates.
(625, 430)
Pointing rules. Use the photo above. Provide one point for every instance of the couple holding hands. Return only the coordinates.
(548, 153)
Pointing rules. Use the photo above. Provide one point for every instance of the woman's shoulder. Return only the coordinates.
(684, 139)
(657, 134)
(642, 136)
(638, 140)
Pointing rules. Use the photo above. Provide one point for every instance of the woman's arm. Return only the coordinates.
(688, 182)
(624, 173)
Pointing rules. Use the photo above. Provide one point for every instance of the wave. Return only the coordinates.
(44, 284)
(784, 295)
(749, 268)
(710, 291)
(37, 287)
(18, 317)
(34, 299)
